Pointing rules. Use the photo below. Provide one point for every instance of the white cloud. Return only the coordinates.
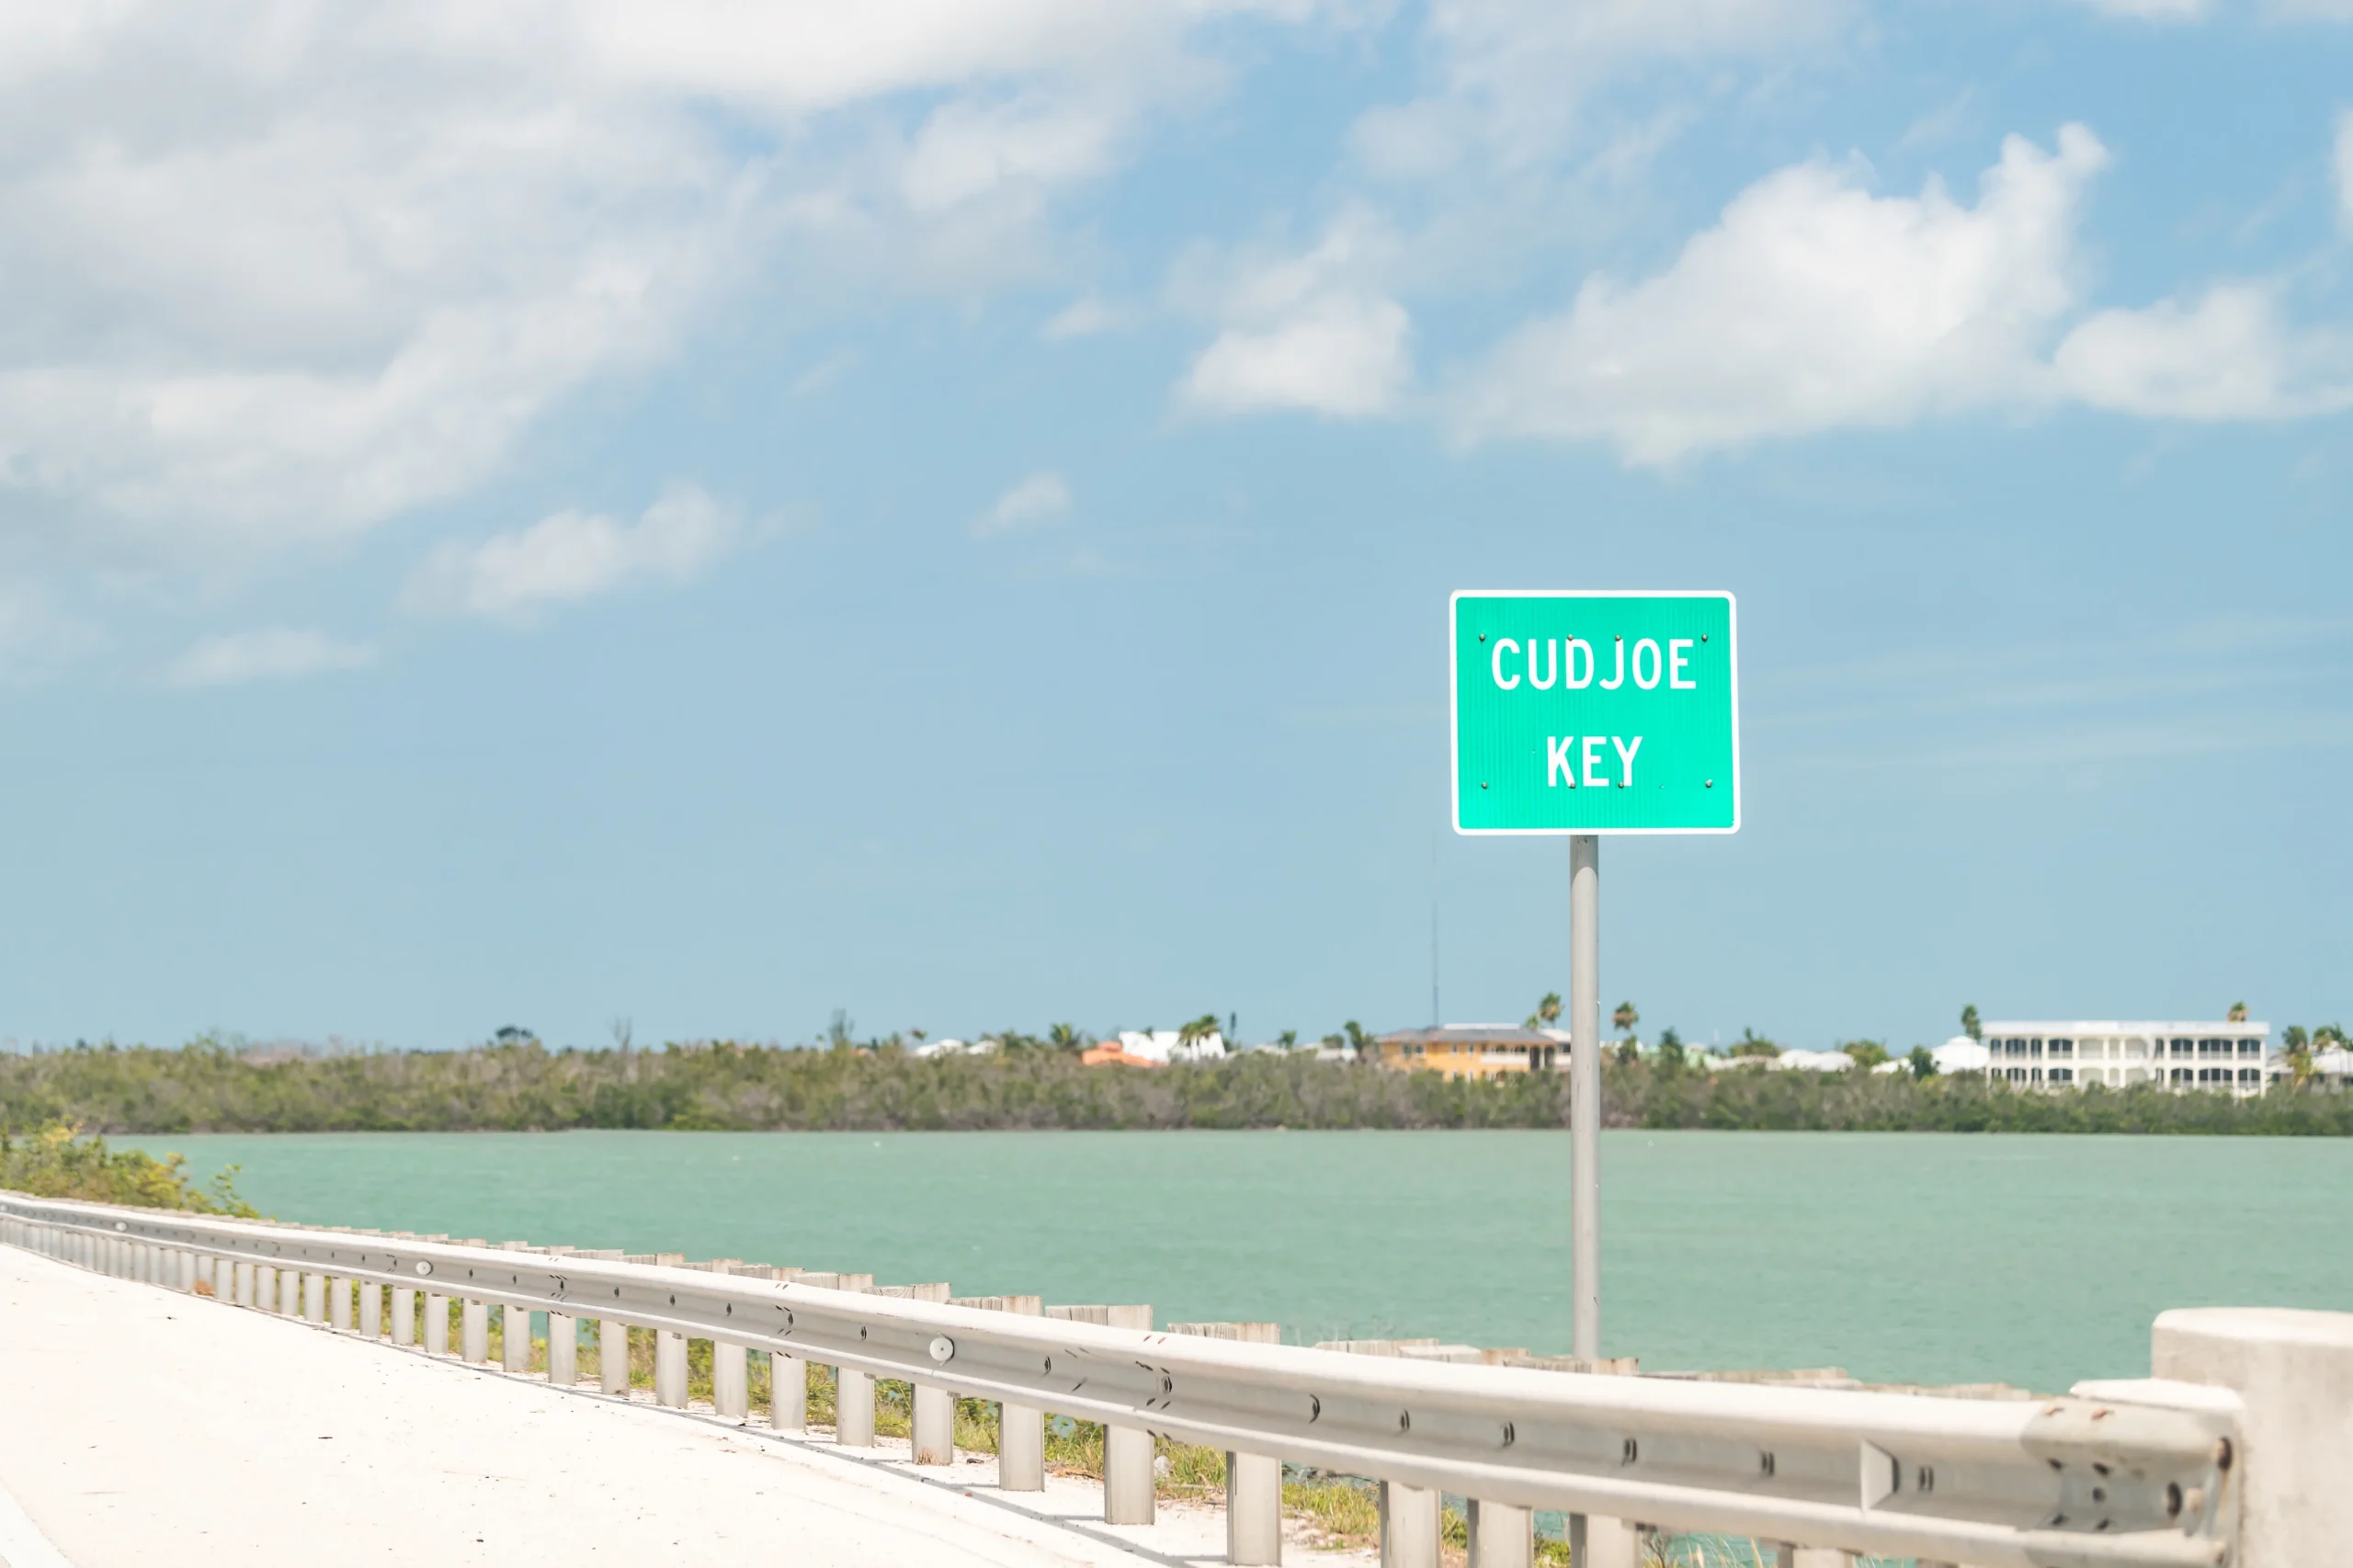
(279, 273)
(2228, 357)
(1083, 317)
(280, 654)
(1512, 77)
(568, 556)
(1344, 355)
(1317, 332)
(1039, 501)
(1811, 304)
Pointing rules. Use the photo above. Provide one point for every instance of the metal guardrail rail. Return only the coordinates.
(2060, 1483)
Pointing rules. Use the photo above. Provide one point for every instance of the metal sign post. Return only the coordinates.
(1583, 715)
(1584, 1095)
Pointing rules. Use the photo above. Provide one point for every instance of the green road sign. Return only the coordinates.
(1595, 713)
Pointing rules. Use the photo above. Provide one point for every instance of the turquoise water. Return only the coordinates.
(2032, 1260)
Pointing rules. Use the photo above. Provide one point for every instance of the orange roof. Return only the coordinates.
(1111, 1051)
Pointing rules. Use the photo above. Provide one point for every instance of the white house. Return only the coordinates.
(1162, 1046)
(1961, 1054)
(1811, 1061)
(2071, 1053)
(954, 1048)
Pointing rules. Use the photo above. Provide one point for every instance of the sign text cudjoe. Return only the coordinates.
(1595, 713)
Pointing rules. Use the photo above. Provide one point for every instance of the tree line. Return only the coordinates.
(519, 1085)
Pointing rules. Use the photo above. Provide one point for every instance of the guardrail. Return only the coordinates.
(2150, 1475)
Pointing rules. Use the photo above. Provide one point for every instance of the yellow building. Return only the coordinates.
(1474, 1050)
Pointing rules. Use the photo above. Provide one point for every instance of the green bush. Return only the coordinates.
(523, 1087)
(56, 1162)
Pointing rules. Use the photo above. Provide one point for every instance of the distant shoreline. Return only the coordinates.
(146, 1091)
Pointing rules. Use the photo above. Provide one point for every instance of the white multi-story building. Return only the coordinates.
(2101, 1050)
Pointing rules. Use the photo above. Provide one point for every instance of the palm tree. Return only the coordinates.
(1363, 1044)
(1548, 1012)
(1624, 1019)
(1065, 1037)
(1199, 1029)
(2237, 1014)
(1969, 1025)
(2296, 1049)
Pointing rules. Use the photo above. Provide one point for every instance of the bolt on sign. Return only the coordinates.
(1595, 713)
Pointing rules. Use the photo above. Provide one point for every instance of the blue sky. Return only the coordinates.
(947, 512)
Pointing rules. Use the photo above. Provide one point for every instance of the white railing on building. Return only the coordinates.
(2161, 1473)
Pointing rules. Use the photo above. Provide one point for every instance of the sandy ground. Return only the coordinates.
(139, 1426)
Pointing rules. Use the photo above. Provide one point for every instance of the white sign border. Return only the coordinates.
(1454, 716)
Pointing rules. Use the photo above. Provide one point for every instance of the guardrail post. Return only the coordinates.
(1501, 1535)
(1411, 1526)
(403, 1316)
(931, 1410)
(612, 1339)
(437, 1324)
(473, 1329)
(241, 1284)
(514, 1338)
(670, 1369)
(514, 1348)
(1128, 1452)
(853, 1390)
(188, 1272)
(563, 1337)
(1020, 1429)
(788, 1393)
(787, 1379)
(2293, 1374)
(314, 1297)
(264, 1297)
(731, 1380)
(564, 1350)
(371, 1309)
(1596, 1540)
(1820, 1556)
(1253, 1482)
(612, 1356)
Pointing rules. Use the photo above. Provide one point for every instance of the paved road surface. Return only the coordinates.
(140, 1426)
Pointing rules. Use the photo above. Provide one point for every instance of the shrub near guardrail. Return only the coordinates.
(58, 1162)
